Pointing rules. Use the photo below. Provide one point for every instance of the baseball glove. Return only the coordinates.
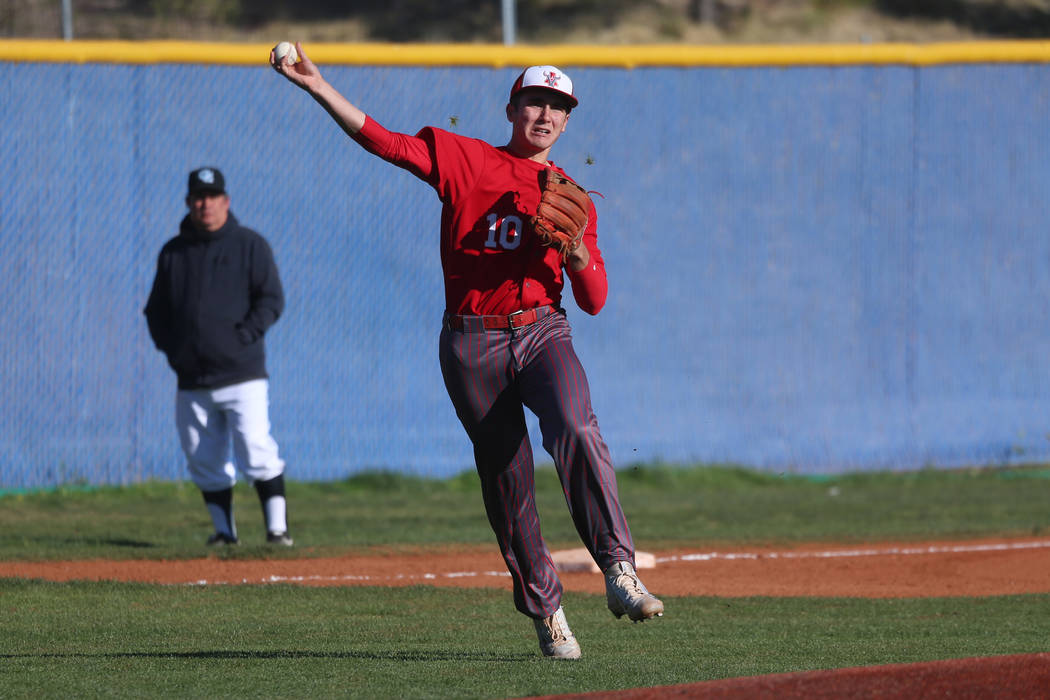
(562, 214)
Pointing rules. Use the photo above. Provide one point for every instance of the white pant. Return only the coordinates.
(207, 420)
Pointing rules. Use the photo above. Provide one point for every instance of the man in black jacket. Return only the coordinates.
(215, 294)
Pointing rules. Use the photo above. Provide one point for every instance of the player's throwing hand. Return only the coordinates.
(302, 72)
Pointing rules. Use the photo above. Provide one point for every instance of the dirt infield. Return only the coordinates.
(885, 570)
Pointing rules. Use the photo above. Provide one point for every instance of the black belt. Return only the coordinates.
(511, 322)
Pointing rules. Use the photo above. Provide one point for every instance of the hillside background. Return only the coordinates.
(537, 21)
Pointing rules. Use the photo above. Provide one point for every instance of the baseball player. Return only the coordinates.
(215, 294)
(505, 342)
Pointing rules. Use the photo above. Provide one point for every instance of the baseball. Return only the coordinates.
(285, 48)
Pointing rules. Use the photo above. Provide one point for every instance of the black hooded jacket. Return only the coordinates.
(213, 298)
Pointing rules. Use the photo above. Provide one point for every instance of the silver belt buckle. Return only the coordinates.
(510, 319)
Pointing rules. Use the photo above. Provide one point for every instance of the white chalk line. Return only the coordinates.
(871, 552)
(697, 557)
(350, 578)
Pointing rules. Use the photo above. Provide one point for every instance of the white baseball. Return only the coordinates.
(285, 48)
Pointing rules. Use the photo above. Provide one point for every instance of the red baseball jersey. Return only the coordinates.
(493, 262)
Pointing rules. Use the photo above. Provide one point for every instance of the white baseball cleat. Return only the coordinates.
(626, 594)
(556, 639)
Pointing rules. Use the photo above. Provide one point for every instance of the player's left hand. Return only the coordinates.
(562, 214)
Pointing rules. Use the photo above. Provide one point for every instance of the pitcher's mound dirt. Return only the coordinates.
(1021, 677)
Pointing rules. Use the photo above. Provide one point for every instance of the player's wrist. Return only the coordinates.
(578, 258)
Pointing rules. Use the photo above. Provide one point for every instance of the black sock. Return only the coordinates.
(220, 507)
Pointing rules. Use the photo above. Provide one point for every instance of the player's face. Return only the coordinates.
(208, 210)
(539, 117)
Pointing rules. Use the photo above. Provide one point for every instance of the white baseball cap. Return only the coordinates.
(546, 78)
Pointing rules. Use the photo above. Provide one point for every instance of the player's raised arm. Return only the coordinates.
(304, 73)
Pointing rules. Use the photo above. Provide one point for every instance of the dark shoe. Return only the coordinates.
(281, 539)
(221, 538)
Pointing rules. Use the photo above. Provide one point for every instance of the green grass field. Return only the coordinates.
(123, 640)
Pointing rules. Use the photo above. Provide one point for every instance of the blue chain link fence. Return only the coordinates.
(812, 269)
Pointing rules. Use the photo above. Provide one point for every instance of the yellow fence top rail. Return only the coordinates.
(499, 56)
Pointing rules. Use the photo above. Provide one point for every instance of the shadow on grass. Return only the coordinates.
(288, 654)
(120, 542)
(47, 541)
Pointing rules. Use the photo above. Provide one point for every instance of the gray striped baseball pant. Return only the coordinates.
(491, 377)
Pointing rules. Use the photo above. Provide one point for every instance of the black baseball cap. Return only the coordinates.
(207, 180)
